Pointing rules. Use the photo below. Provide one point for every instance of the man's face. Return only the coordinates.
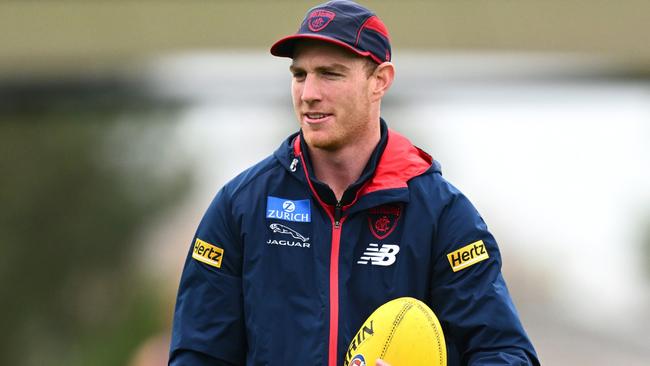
(331, 95)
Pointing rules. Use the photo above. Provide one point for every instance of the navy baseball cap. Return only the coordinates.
(343, 23)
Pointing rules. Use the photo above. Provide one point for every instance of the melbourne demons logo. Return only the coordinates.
(383, 219)
(319, 19)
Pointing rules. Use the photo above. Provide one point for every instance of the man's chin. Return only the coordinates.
(321, 142)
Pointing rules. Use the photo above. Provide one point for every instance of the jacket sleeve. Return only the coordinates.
(469, 294)
(208, 327)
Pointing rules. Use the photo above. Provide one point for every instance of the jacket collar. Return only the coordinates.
(324, 191)
(392, 164)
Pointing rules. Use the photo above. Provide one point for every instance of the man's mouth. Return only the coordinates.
(316, 117)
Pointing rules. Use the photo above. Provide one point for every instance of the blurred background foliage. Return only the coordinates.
(72, 208)
(87, 170)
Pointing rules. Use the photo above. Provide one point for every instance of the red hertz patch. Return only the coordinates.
(319, 19)
(383, 219)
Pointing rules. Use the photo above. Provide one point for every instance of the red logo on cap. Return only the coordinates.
(319, 19)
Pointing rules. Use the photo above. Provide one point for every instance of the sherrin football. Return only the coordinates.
(402, 332)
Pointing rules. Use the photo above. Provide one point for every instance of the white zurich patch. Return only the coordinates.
(383, 255)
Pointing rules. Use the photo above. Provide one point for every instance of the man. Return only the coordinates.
(295, 253)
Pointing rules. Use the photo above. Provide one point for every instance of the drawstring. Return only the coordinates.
(294, 165)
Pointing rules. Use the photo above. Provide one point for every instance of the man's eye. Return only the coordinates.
(331, 74)
(298, 75)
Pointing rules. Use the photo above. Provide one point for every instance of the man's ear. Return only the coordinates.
(383, 77)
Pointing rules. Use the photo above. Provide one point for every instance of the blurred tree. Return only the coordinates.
(70, 212)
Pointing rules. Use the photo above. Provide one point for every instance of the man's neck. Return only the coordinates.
(341, 168)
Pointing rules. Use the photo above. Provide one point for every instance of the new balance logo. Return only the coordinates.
(384, 255)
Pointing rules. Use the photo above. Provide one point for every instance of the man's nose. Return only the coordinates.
(310, 89)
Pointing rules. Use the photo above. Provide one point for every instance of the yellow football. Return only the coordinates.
(402, 332)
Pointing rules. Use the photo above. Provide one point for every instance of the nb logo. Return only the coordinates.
(384, 255)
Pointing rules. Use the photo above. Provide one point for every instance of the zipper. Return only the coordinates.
(334, 290)
(337, 214)
(337, 221)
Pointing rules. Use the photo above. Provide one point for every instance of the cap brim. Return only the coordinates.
(285, 46)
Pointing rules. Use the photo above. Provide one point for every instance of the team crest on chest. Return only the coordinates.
(383, 219)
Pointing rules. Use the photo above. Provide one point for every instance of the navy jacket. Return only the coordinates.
(280, 273)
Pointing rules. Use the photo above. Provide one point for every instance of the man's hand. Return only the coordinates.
(381, 362)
